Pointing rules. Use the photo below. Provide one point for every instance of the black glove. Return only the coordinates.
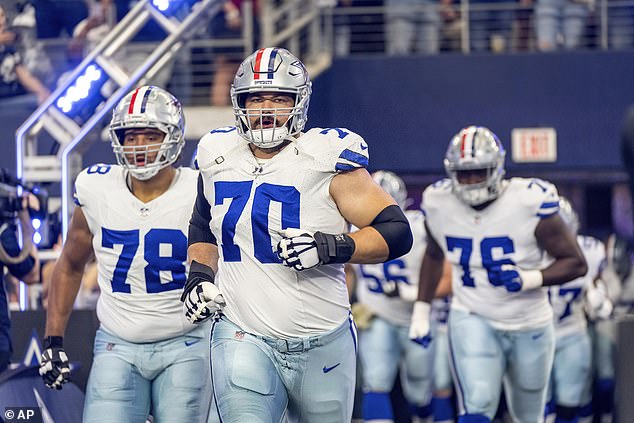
(54, 366)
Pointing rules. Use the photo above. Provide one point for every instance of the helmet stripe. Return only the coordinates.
(145, 97)
(132, 100)
(473, 138)
(258, 60)
(462, 143)
(272, 63)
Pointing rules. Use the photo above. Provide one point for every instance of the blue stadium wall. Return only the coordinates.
(408, 108)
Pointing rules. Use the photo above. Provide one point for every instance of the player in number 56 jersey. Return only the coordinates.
(270, 226)
(495, 233)
(148, 359)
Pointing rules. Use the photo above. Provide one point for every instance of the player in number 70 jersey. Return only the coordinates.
(271, 229)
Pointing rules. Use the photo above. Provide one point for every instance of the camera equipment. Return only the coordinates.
(11, 199)
(12, 192)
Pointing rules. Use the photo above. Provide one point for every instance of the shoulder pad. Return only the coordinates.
(432, 193)
(216, 143)
(338, 149)
(537, 194)
(93, 180)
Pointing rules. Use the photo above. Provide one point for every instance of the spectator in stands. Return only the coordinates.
(87, 33)
(490, 25)
(26, 268)
(412, 26)
(563, 20)
(55, 18)
(620, 25)
(15, 78)
(225, 25)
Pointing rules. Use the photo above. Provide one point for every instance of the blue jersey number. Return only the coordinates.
(100, 169)
(465, 245)
(263, 196)
(340, 132)
(129, 240)
(569, 295)
(391, 272)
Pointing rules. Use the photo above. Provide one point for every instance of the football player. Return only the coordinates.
(268, 241)
(148, 358)
(571, 377)
(618, 277)
(495, 233)
(388, 290)
(442, 403)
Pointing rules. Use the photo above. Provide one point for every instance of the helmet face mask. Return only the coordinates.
(393, 185)
(475, 149)
(148, 107)
(271, 71)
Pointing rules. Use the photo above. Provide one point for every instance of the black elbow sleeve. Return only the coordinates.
(199, 230)
(393, 226)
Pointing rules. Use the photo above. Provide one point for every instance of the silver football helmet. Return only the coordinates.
(476, 148)
(148, 107)
(271, 70)
(568, 214)
(393, 185)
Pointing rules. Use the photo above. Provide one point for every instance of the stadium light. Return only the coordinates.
(83, 87)
(161, 5)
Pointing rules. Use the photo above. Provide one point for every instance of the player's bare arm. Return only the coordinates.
(431, 273)
(68, 273)
(555, 238)
(431, 270)
(444, 286)
(360, 201)
(201, 298)
(204, 252)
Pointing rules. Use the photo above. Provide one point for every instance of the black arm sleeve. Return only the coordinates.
(199, 230)
(393, 226)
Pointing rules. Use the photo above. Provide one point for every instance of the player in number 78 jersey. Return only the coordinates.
(148, 358)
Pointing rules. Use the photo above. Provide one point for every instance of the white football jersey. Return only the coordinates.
(403, 271)
(251, 201)
(568, 299)
(141, 251)
(502, 233)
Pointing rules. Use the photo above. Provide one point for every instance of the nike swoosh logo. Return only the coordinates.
(327, 369)
(189, 343)
(537, 336)
(364, 146)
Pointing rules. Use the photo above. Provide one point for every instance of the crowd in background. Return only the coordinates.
(36, 31)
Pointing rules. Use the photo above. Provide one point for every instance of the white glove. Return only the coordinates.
(298, 249)
(598, 304)
(419, 329)
(201, 297)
